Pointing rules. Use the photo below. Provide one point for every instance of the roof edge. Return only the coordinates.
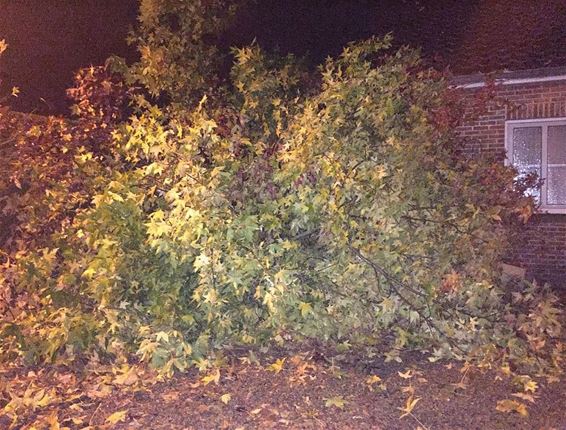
(508, 77)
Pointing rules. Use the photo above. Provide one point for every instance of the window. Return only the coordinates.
(539, 146)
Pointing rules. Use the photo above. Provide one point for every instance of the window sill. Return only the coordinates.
(550, 210)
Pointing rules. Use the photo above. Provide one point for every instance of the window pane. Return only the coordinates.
(527, 154)
(557, 144)
(556, 186)
(527, 147)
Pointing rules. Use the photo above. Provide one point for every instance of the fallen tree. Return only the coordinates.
(286, 205)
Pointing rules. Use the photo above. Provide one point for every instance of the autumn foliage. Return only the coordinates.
(282, 204)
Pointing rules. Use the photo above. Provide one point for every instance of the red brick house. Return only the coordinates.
(525, 127)
(522, 44)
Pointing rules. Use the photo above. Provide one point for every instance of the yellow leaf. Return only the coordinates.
(409, 406)
(89, 273)
(115, 197)
(408, 374)
(99, 391)
(117, 417)
(213, 377)
(373, 379)
(512, 406)
(127, 378)
(42, 399)
(530, 386)
(306, 308)
(225, 398)
(337, 402)
(506, 370)
(53, 421)
(77, 421)
(277, 366)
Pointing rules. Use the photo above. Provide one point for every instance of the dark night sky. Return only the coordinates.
(50, 39)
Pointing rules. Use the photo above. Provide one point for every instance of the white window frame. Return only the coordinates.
(544, 123)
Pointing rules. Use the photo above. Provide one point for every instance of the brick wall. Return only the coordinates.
(542, 248)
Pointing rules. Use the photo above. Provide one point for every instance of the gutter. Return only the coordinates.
(549, 74)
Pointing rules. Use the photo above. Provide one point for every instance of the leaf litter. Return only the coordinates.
(284, 389)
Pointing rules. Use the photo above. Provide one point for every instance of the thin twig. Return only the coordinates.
(419, 421)
(395, 284)
(93, 414)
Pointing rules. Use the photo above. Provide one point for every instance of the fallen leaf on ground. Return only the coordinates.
(201, 408)
(337, 402)
(117, 417)
(408, 374)
(508, 405)
(213, 377)
(525, 396)
(77, 420)
(409, 406)
(531, 386)
(373, 379)
(170, 397)
(99, 391)
(53, 421)
(277, 366)
(127, 378)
